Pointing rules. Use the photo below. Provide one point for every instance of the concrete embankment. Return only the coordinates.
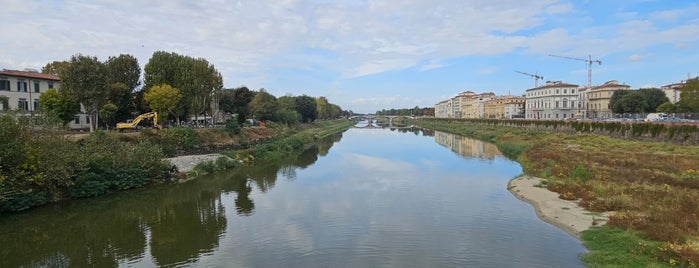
(186, 163)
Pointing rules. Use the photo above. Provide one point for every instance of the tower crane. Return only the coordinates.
(589, 62)
(536, 77)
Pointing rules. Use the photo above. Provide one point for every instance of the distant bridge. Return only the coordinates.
(372, 120)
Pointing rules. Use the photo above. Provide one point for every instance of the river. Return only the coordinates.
(366, 198)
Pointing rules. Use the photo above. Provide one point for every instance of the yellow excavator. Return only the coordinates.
(134, 123)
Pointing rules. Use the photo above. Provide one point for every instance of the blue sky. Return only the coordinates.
(370, 55)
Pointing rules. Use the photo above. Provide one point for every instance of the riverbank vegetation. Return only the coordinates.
(653, 187)
(41, 164)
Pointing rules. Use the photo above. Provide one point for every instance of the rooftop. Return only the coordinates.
(29, 74)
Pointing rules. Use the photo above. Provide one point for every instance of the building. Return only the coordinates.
(442, 109)
(672, 91)
(514, 107)
(22, 90)
(474, 106)
(553, 101)
(598, 98)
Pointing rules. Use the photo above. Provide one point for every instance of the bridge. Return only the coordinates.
(372, 120)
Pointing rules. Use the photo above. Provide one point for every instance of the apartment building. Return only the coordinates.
(514, 107)
(598, 98)
(21, 90)
(442, 109)
(474, 106)
(553, 101)
(672, 91)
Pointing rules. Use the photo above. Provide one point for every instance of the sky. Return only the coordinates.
(368, 55)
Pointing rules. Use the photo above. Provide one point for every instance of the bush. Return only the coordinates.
(24, 200)
(89, 184)
(232, 126)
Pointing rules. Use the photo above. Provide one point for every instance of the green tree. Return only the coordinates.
(85, 80)
(107, 113)
(163, 99)
(264, 105)
(689, 96)
(615, 101)
(207, 82)
(123, 74)
(667, 107)
(58, 106)
(634, 102)
(56, 68)
(306, 107)
(323, 108)
(654, 97)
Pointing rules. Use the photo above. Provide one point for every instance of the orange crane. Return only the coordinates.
(589, 62)
(535, 76)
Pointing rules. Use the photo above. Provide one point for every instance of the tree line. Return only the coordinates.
(416, 111)
(178, 87)
(649, 100)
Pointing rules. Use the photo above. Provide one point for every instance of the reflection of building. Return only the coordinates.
(555, 100)
(598, 98)
(466, 146)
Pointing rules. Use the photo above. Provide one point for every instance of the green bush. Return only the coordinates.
(89, 184)
(24, 200)
(580, 173)
(232, 126)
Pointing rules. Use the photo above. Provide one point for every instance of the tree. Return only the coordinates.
(264, 105)
(654, 97)
(195, 78)
(123, 73)
(667, 107)
(58, 106)
(107, 112)
(689, 96)
(85, 80)
(307, 108)
(163, 99)
(615, 101)
(56, 68)
(323, 107)
(634, 102)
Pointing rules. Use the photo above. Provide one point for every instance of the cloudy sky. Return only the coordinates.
(365, 55)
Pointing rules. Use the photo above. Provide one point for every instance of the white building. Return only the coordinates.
(552, 101)
(672, 91)
(22, 90)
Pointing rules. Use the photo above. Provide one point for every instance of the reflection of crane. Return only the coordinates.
(589, 62)
(536, 77)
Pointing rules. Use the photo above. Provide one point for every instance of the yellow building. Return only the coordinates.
(598, 98)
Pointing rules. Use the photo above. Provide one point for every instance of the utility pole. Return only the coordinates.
(589, 62)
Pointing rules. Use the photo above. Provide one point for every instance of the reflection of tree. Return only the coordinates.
(184, 220)
(185, 230)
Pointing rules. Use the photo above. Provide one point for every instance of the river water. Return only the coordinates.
(367, 198)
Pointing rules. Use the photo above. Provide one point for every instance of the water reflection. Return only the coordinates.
(467, 147)
(164, 225)
(379, 198)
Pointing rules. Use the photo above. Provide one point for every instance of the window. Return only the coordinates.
(556, 104)
(22, 104)
(21, 86)
(50, 84)
(87, 119)
(565, 91)
(36, 104)
(77, 120)
(36, 86)
(565, 103)
(5, 85)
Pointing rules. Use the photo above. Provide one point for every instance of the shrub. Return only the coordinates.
(24, 200)
(580, 173)
(232, 126)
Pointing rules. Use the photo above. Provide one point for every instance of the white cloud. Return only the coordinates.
(635, 57)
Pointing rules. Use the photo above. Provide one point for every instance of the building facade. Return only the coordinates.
(598, 98)
(514, 107)
(474, 106)
(672, 91)
(553, 101)
(22, 90)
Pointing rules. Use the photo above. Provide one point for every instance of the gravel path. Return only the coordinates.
(188, 162)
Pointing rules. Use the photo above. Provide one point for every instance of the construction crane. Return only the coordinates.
(536, 77)
(589, 62)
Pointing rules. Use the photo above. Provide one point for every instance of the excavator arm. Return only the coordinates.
(138, 119)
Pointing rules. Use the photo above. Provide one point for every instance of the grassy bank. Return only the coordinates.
(654, 187)
(289, 141)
